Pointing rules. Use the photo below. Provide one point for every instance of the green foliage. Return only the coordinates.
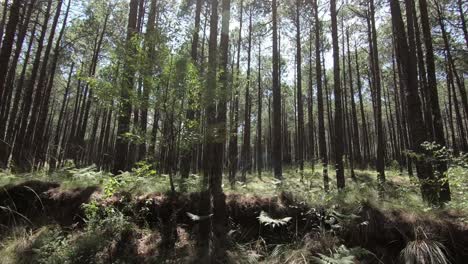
(51, 247)
(144, 169)
(456, 174)
(341, 255)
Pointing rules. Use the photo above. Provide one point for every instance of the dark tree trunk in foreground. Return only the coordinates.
(215, 136)
(20, 155)
(300, 108)
(246, 158)
(378, 95)
(7, 45)
(220, 220)
(233, 140)
(438, 129)
(125, 111)
(340, 179)
(3, 20)
(320, 109)
(277, 159)
(417, 130)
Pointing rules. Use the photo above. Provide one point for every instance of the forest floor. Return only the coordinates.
(88, 216)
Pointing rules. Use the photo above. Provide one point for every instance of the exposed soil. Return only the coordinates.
(385, 233)
(36, 202)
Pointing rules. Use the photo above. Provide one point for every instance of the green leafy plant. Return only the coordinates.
(144, 169)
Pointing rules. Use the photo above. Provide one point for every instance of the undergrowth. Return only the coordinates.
(107, 228)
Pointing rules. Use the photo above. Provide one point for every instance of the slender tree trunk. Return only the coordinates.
(259, 113)
(150, 48)
(300, 107)
(56, 145)
(246, 155)
(340, 179)
(354, 122)
(3, 20)
(190, 114)
(363, 116)
(378, 92)
(276, 99)
(233, 140)
(321, 121)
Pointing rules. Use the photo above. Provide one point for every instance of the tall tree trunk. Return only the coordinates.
(378, 92)
(463, 21)
(8, 115)
(259, 113)
(340, 179)
(190, 114)
(121, 148)
(19, 155)
(150, 48)
(233, 140)
(300, 107)
(7, 45)
(363, 116)
(429, 186)
(32, 133)
(354, 121)
(220, 220)
(277, 163)
(246, 155)
(321, 121)
(56, 148)
(41, 126)
(3, 20)
(438, 129)
(5, 101)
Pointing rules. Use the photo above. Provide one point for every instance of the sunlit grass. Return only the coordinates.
(400, 191)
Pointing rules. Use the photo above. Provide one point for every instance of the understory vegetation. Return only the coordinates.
(124, 221)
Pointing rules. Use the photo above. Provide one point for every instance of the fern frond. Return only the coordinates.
(265, 219)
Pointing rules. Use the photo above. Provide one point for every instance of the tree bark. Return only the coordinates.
(429, 186)
(340, 179)
(121, 148)
(277, 159)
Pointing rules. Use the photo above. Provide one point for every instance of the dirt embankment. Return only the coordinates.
(37, 202)
(385, 233)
